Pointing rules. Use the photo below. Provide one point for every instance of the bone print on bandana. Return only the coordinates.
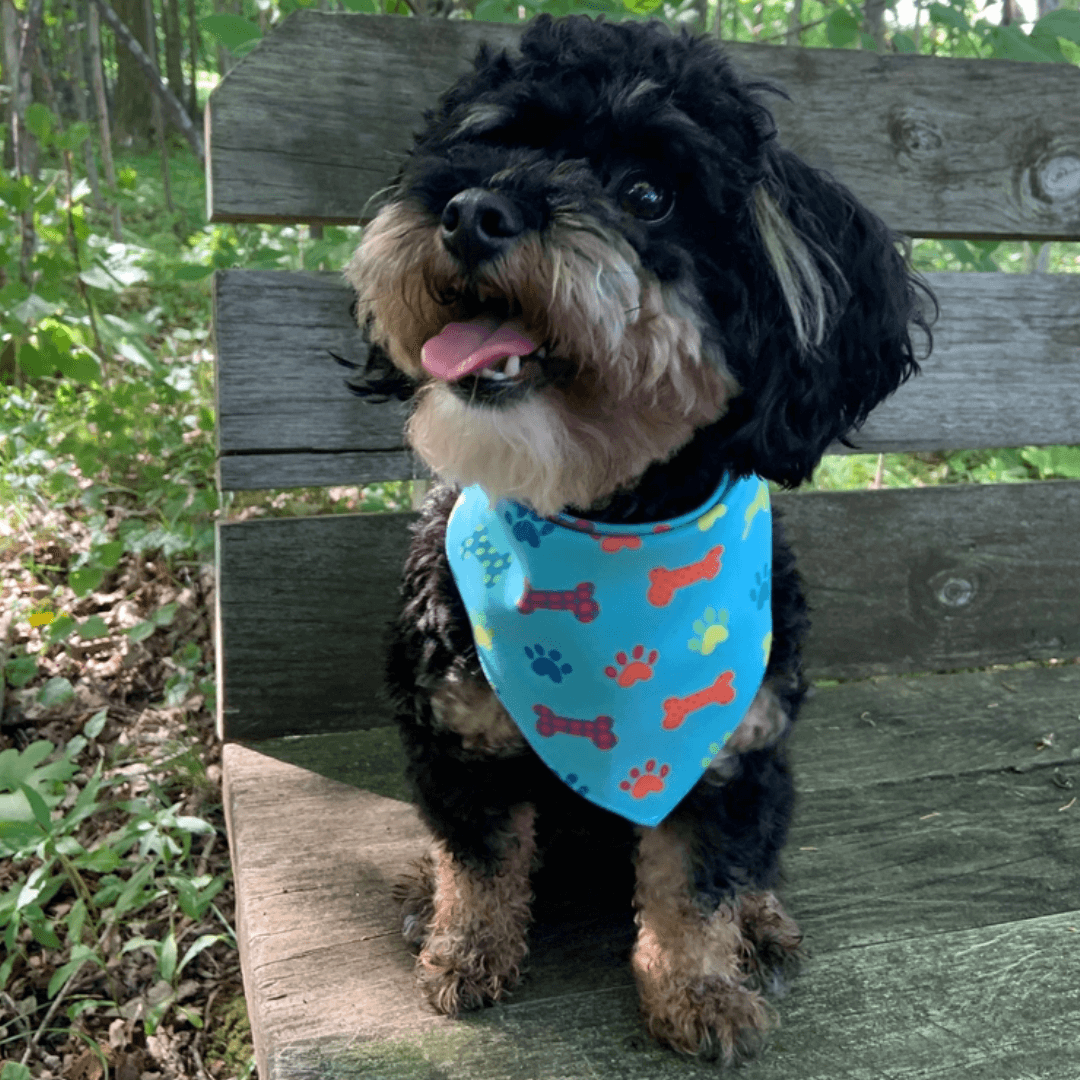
(649, 673)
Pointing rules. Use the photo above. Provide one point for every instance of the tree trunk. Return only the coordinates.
(168, 98)
(193, 51)
(875, 22)
(159, 118)
(102, 101)
(26, 148)
(170, 19)
(78, 68)
(11, 68)
(794, 24)
(133, 107)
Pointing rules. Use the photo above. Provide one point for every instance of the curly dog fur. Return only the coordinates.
(708, 305)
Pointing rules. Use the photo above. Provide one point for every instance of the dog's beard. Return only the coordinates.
(642, 378)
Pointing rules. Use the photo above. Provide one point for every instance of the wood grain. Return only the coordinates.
(906, 580)
(1005, 372)
(317, 119)
(926, 882)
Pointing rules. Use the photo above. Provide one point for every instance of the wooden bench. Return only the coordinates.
(935, 863)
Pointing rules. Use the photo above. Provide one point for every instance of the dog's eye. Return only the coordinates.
(645, 200)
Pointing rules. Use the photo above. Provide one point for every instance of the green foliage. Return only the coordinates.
(66, 893)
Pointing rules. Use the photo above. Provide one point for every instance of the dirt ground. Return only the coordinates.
(156, 746)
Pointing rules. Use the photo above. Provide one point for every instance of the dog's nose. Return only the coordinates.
(478, 224)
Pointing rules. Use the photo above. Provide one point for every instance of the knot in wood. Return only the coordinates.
(914, 132)
(1058, 178)
(955, 592)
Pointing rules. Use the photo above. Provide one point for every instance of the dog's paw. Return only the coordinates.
(457, 975)
(775, 953)
(415, 892)
(713, 1018)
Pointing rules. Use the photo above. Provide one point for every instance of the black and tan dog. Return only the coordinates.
(612, 296)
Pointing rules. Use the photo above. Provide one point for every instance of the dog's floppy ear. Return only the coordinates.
(831, 320)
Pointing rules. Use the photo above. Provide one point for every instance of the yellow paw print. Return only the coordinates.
(481, 633)
(711, 630)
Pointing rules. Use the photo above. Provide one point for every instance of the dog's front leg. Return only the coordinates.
(472, 920)
(694, 967)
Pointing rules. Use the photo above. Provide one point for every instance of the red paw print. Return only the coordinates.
(640, 784)
(632, 670)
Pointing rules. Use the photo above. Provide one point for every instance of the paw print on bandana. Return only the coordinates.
(711, 630)
(547, 662)
(761, 594)
(493, 562)
(572, 780)
(714, 749)
(633, 670)
(640, 784)
(529, 527)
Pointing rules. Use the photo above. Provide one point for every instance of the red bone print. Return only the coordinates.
(597, 731)
(665, 582)
(676, 710)
(609, 543)
(578, 600)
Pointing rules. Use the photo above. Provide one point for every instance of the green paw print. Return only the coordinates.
(714, 749)
(494, 562)
(711, 630)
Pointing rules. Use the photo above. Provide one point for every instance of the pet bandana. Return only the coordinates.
(626, 654)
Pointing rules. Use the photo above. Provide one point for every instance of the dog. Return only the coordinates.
(619, 309)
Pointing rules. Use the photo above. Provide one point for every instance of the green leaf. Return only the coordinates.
(841, 28)
(94, 627)
(903, 43)
(203, 942)
(165, 615)
(60, 629)
(34, 361)
(167, 957)
(1012, 43)
(14, 1071)
(108, 554)
(57, 691)
(38, 807)
(85, 580)
(190, 272)
(1061, 23)
(74, 137)
(948, 16)
(233, 31)
(368, 7)
(102, 860)
(141, 631)
(19, 670)
(79, 367)
(96, 724)
(40, 121)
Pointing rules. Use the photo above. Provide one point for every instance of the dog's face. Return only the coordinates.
(597, 249)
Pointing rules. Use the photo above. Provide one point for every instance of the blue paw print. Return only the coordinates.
(547, 663)
(571, 779)
(761, 594)
(526, 528)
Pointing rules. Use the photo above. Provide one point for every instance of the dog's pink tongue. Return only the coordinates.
(464, 347)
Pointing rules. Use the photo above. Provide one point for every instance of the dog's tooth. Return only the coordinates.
(513, 366)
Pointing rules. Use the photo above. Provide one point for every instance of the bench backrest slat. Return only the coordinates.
(316, 120)
(1005, 372)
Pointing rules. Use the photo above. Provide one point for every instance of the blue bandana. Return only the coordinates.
(626, 654)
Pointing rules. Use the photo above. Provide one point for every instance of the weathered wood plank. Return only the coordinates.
(937, 146)
(915, 580)
(302, 609)
(910, 918)
(1005, 372)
